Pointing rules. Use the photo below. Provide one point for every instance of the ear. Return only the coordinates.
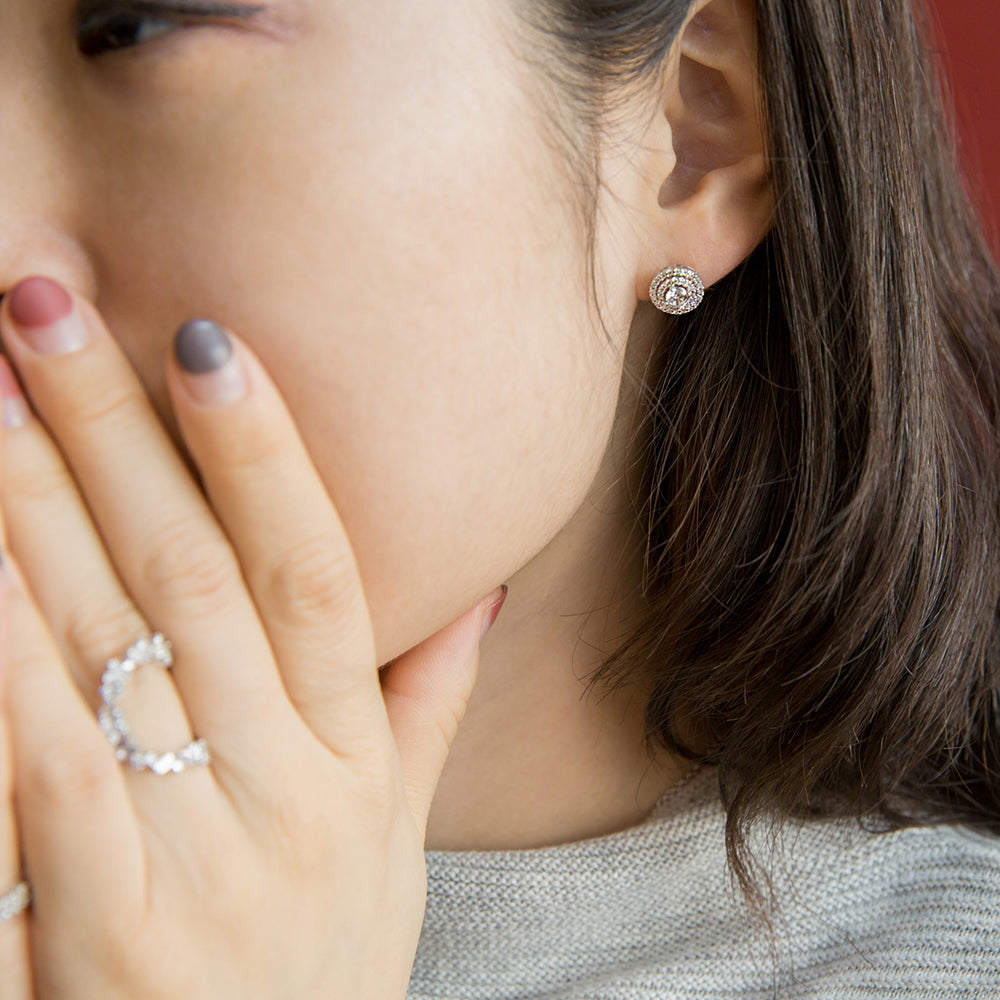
(708, 198)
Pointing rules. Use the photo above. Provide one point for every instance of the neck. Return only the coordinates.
(541, 758)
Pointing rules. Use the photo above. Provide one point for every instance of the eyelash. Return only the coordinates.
(106, 26)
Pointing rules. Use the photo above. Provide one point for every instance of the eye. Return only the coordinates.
(113, 25)
(120, 31)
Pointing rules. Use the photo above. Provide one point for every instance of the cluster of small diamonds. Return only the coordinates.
(16, 901)
(677, 290)
(154, 651)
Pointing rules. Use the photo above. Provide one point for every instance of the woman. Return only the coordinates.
(750, 551)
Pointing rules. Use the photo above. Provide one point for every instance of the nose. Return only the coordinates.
(40, 246)
(40, 189)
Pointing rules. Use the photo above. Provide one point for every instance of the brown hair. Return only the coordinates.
(822, 506)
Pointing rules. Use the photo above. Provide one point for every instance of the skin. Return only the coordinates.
(391, 230)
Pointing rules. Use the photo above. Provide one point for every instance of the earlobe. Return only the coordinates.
(716, 204)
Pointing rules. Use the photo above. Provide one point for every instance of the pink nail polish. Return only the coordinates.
(15, 406)
(491, 613)
(44, 315)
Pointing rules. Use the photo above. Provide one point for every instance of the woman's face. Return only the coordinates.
(369, 195)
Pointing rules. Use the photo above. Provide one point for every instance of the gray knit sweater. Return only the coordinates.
(649, 913)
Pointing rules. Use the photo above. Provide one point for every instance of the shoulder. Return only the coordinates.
(914, 910)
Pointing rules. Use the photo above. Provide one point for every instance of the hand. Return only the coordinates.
(293, 865)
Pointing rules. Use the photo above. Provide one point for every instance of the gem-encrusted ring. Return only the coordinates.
(677, 290)
(16, 901)
(154, 651)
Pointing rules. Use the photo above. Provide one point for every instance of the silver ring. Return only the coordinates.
(154, 651)
(16, 901)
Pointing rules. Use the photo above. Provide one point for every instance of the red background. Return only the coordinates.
(969, 38)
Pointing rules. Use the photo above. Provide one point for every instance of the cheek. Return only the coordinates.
(419, 297)
(452, 464)
(455, 401)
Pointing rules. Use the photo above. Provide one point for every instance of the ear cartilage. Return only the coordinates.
(676, 290)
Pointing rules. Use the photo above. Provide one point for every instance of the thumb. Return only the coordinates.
(426, 691)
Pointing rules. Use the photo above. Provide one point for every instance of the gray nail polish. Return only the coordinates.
(202, 346)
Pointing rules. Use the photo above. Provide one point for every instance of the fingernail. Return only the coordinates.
(15, 406)
(492, 611)
(205, 353)
(45, 317)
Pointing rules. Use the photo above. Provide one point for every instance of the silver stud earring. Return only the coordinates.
(676, 290)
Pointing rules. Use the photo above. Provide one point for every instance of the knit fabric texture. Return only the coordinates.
(651, 912)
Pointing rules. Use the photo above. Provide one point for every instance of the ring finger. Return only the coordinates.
(15, 981)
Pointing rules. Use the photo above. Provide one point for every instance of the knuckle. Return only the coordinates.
(190, 567)
(378, 799)
(95, 630)
(447, 721)
(64, 773)
(314, 580)
(261, 451)
(291, 820)
(105, 402)
(62, 770)
(36, 481)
